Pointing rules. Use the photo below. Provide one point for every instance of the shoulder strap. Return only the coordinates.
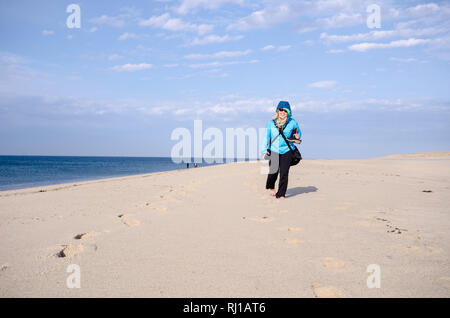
(287, 142)
(280, 130)
(272, 140)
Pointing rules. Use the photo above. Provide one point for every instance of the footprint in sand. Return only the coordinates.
(262, 219)
(330, 262)
(422, 249)
(159, 208)
(85, 235)
(396, 230)
(128, 220)
(291, 241)
(326, 291)
(281, 211)
(71, 250)
(414, 236)
(180, 192)
(167, 198)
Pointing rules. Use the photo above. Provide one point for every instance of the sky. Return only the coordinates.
(136, 70)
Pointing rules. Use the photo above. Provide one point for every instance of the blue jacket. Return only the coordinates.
(279, 145)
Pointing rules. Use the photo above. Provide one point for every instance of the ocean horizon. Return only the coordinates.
(17, 171)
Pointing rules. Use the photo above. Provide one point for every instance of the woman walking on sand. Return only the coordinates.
(276, 147)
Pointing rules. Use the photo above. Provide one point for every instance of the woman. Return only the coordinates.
(275, 146)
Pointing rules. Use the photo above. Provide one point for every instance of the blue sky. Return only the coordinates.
(136, 70)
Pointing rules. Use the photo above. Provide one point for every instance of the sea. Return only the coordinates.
(17, 172)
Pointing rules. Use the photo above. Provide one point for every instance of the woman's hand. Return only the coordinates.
(296, 136)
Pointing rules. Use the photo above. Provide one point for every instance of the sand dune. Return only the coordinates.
(216, 232)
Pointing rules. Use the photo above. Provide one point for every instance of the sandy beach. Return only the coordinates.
(216, 232)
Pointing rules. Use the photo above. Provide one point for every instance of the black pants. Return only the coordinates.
(279, 164)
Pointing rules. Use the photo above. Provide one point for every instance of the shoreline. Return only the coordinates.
(70, 181)
(49, 187)
(428, 155)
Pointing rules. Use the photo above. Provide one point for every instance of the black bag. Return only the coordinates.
(296, 155)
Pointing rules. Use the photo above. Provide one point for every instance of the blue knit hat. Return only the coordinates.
(285, 105)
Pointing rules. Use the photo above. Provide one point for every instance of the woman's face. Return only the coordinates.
(282, 113)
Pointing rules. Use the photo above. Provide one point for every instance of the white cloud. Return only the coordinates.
(132, 67)
(323, 84)
(406, 60)
(234, 105)
(335, 51)
(422, 10)
(263, 18)
(219, 109)
(187, 6)
(268, 47)
(115, 57)
(117, 22)
(127, 36)
(284, 48)
(423, 24)
(337, 21)
(210, 39)
(186, 109)
(321, 12)
(74, 77)
(332, 14)
(362, 47)
(279, 49)
(143, 48)
(218, 55)
(48, 32)
(378, 35)
(93, 29)
(219, 64)
(17, 72)
(10, 58)
(165, 22)
(127, 13)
